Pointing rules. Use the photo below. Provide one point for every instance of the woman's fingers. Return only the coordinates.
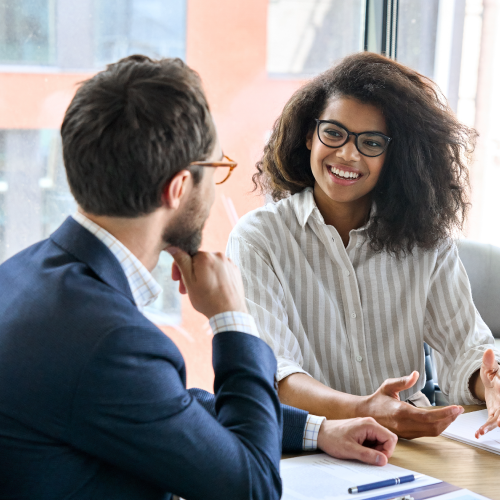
(393, 386)
(492, 423)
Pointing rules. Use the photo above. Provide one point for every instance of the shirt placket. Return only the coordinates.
(351, 299)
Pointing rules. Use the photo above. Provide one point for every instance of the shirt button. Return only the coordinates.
(353, 315)
(359, 359)
(347, 273)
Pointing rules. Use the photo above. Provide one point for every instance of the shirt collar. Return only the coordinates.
(304, 206)
(144, 287)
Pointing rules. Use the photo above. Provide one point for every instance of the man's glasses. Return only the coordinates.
(224, 168)
(369, 144)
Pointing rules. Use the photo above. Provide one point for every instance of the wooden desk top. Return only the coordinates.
(450, 461)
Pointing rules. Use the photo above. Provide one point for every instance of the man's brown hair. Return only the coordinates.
(130, 129)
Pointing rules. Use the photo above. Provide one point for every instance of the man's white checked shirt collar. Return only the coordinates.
(144, 287)
(145, 290)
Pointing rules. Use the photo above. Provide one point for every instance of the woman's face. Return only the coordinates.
(343, 174)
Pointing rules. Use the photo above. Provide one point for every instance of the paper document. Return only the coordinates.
(466, 425)
(321, 477)
(461, 495)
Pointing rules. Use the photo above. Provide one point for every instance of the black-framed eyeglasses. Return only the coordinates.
(225, 168)
(334, 135)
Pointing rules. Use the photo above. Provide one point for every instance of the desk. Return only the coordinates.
(450, 461)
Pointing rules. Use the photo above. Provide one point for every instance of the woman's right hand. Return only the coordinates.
(406, 420)
(357, 438)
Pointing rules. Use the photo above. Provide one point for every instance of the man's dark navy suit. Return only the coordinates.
(93, 403)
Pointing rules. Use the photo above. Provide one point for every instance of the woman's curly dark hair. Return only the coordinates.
(422, 193)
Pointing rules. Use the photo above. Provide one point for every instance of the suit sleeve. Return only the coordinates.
(131, 409)
(294, 421)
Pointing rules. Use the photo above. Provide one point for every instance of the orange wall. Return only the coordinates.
(226, 44)
(32, 101)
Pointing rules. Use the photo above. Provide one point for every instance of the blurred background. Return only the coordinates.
(252, 55)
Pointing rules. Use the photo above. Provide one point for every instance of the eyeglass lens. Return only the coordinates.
(335, 136)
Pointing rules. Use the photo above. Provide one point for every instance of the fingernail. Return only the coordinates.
(377, 460)
(172, 250)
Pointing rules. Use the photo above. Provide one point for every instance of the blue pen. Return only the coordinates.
(382, 484)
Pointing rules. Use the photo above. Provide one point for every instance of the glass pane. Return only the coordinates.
(27, 32)
(417, 32)
(90, 33)
(34, 194)
(151, 27)
(305, 38)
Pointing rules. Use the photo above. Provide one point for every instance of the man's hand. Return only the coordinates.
(357, 438)
(490, 378)
(211, 280)
(402, 418)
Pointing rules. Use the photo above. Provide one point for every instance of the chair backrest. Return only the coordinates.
(482, 263)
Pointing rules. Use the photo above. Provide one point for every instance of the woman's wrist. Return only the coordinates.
(362, 407)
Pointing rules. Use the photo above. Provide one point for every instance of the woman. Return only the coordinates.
(355, 267)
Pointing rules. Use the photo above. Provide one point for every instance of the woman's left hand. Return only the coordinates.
(490, 377)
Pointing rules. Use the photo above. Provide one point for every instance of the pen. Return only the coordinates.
(382, 484)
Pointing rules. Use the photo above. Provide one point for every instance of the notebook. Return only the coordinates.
(465, 426)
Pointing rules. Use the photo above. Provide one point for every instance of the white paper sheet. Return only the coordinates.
(466, 425)
(321, 477)
(460, 495)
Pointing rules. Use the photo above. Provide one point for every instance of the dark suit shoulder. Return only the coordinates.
(54, 313)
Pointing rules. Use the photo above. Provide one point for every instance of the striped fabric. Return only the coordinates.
(349, 317)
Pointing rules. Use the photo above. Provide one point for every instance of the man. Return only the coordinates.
(93, 397)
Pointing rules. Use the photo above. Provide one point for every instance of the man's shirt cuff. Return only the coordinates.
(232, 321)
(311, 431)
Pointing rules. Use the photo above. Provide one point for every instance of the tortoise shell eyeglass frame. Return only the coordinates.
(231, 164)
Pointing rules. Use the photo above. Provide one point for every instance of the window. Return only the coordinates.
(155, 28)
(251, 57)
(417, 32)
(89, 33)
(305, 38)
(69, 35)
(27, 29)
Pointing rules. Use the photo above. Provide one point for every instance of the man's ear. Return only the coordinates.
(174, 191)
(309, 140)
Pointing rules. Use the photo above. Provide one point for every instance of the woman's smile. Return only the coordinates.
(343, 175)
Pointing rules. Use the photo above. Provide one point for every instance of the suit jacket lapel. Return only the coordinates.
(82, 244)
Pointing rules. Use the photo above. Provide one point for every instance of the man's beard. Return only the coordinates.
(185, 231)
